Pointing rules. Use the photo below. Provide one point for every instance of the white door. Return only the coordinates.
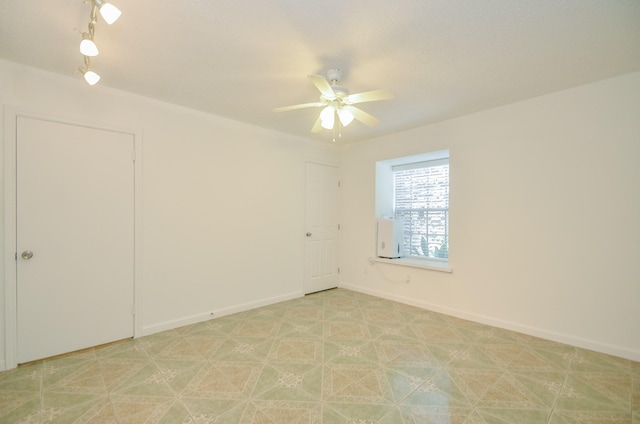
(321, 265)
(75, 237)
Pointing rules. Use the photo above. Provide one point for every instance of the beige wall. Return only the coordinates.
(545, 217)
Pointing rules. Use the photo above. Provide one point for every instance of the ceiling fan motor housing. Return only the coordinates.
(341, 92)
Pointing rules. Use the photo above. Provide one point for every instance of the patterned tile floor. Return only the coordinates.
(332, 357)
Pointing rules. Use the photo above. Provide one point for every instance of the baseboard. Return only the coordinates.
(193, 319)
(618, 351)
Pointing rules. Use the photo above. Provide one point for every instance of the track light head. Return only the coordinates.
(109, 12)
(90, 77)
(87, 46)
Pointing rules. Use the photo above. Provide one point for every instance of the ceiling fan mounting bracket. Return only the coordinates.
(334, 75)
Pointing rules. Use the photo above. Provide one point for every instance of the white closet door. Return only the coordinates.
(75, 237)
(321, 267)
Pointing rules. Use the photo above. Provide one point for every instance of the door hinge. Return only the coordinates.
(16, 256)
(133, 155)
(338, 226)
(338, 270)
(133, 310)
(339, 183)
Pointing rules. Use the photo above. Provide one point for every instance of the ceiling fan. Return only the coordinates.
(336, 100)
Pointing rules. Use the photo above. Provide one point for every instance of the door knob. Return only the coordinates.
(27, 254)
(308, 234)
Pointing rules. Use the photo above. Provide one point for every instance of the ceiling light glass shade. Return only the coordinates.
(327, 117)
(91, 77)
(87, 46)
(109, 12)
(345, 117)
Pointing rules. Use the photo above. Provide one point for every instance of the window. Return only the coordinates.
(421, 202)
(415, 189)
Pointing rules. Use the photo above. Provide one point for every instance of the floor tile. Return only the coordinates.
(340, 330)
(281, 412)
(344, 351)
(289, 382)
(438, 391)
(405, 353)
(426, 414)
(595, 392)
(242, 349)
(178, 374)
(148, 381)
(301, 329)
(23, 379)
(585, 360)
(218, 411)
(224, 381)
(353, 413)
(140, 409)
(356, 384)
(590, 417)
(16, 406)
(513, 391)
(512, 416)
(545, 358)
(296, 350)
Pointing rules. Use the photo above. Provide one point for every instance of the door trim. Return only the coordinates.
(10, 117)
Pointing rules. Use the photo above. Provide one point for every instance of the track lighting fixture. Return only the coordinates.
(88, 47)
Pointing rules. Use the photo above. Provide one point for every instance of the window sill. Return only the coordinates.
(415, 263)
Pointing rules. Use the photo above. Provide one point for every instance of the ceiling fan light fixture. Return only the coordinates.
(88, 46)
(345, 116)
(327, 116)
(336, 100)
(109, 12)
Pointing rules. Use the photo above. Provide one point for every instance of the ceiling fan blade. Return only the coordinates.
(370, 96)
(300, 106)
(323, 86)
(317, 127)
(362, 116)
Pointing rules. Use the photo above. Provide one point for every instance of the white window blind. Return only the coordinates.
(421, 202)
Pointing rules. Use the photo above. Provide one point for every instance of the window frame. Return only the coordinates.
(384, 206)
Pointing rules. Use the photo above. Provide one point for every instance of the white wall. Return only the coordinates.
(222, 201)
(545, 217)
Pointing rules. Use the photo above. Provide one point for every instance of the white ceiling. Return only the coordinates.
(242, 58)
